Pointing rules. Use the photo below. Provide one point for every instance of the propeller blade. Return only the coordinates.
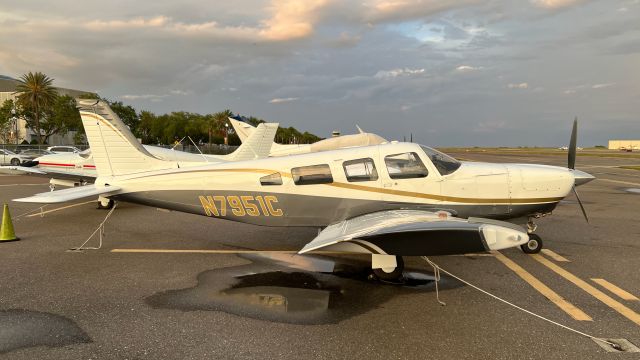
(580, 203)
(572, 145)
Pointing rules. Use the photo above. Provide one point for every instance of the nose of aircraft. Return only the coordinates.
(581, 177)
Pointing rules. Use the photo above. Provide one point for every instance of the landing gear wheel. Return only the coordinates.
(105, 204)
(15, 162)
(533, 246)
(395, 275)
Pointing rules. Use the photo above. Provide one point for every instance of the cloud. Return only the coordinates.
(291, 19)
(522, 85)
(489, 126)
(151, 97)
(377, 11)
(555, 4)
(467, 68)
(388, 74)
(282, 100)
(600, 86)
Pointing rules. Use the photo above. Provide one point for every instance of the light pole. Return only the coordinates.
(226, 133)
(15, 123)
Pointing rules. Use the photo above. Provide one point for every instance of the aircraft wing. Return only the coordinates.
(75, 193)
(20, 170)
(33, 171)
(417, 233)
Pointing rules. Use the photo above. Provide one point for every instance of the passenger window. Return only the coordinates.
(360, 170)
(271, 179)
(314, 174)
(405, 166)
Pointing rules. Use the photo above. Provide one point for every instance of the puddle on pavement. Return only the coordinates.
(297, 289)
(23, 328)
(633, 190)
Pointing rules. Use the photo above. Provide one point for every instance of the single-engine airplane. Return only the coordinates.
(388, 200)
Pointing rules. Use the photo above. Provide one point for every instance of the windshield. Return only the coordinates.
(443, 162)
(9, 152)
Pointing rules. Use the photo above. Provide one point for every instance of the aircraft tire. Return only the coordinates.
(533, 246)
(394, 275)
(107, 206)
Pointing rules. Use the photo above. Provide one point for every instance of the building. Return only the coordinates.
(624, 144)
(7, 90)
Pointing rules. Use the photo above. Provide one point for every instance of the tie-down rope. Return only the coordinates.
(99, 230)
(437, 270)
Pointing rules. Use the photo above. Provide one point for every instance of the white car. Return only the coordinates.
(63, 149)
(10, 158)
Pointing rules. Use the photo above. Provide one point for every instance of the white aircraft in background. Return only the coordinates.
(244, 130)
(76, 169)
(389, 200)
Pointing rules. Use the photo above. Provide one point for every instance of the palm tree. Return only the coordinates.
(221, 120)
(36, 94)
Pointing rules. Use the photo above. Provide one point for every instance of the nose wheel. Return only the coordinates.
(533, 246)
(394, 274)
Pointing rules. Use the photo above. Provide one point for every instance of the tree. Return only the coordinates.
(221, 121)
(127, 114)
(35, 93)
(6, 119)
(62, 116)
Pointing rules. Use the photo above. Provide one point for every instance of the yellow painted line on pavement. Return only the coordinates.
(555, 256)
(215, 251)
(606, 299)
(622, 294)
(543, 289)
(60, 208)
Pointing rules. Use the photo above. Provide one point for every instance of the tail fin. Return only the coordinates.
(257, 145)
(114, 148)
(242, 129)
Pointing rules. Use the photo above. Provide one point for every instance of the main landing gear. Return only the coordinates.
(105, 203)
(393, 274)
(534, 245)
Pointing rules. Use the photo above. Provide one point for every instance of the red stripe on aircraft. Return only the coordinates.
(55, 164)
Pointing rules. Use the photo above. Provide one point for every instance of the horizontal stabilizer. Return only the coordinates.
(52, 174)
(75, 193)
(417, 233)
(20, 170)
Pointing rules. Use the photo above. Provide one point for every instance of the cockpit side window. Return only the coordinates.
(405, 166)
(314, 174)
(360, 170)
(443, 162)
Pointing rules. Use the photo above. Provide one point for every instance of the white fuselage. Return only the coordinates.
(243, 191)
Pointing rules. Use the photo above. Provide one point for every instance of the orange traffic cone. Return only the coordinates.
(6, 230)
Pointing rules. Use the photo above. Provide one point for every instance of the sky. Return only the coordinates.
(449, 73)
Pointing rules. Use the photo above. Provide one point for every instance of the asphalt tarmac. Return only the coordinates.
(221, 299)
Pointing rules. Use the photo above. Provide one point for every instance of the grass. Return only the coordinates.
(630, 167)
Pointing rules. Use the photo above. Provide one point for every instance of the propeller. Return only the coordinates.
(571, 162)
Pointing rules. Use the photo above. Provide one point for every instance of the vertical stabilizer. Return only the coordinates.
(242, 129)
(114, 148)
(257, 145)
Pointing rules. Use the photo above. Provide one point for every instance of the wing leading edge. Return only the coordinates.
(417, 233)
(75, 193)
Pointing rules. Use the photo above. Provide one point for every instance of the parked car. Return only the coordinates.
(60, 149)
(10, 158)
(31, 154)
